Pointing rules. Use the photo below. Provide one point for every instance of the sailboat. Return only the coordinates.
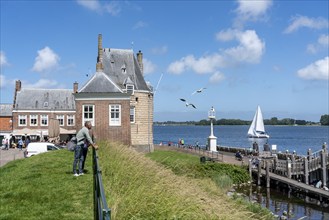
(257, 129)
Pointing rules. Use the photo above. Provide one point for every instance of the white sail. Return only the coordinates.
(257, 129)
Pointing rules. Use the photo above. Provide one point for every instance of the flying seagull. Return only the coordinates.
(198, 91)
(187, 104)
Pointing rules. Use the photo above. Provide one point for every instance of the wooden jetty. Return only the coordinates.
(295, 171)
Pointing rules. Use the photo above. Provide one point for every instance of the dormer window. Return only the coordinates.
(130, 88)
(124, 69)
(45, 104)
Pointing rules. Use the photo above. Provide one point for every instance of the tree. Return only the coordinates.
(324, 120)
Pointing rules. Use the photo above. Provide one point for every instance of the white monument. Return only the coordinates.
(212, 140)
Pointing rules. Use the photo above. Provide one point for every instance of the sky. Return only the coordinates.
(245, 53)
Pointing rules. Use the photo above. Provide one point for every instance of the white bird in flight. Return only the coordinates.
(187, 104)
(198, 91)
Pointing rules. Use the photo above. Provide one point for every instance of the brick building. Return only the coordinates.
(116, 99)
(34, 108)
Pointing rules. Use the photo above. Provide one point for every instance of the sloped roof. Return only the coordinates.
(120, 64)
(6, 109)
(100, 83)
(45, 99)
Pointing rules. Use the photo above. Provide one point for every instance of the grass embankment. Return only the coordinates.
(42, 187)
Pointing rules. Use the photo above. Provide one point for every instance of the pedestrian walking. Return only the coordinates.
(20, 144)
(83, 137)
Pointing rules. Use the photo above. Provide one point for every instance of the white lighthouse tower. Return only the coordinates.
(212, 140)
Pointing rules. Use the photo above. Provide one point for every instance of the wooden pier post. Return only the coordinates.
(306, 173)
(288, 168)
(267, 174)
(250, 168)
(324, 153)
(259, 174)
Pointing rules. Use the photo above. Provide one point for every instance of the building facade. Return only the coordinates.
(116, 99)
(34, 108)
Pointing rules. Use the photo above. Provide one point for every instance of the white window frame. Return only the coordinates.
(42, 119)
(84, 119)
(34, 117)
(130, 89)
(132, 114)
(22, 118)
(68, 118)
(115, 115)
(60, 119)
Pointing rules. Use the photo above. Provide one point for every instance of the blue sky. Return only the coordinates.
(246, 53)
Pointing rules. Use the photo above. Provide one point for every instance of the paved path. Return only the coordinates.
(227, 157)
(9, 155)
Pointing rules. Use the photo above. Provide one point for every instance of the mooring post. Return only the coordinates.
(250, 168)
(306, 174)
(288, 168)
(324, 153)
(267, 174)
(259, 171)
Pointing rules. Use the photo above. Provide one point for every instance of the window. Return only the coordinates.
(130, 89)
(88, 114)
(22, 120)
(44, 120)
(132, 114)
(70, 120)
(60, 119)
(115, 115)
(33, 120)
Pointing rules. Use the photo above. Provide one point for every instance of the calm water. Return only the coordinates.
(298, 138)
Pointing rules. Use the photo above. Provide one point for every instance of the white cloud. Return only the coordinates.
(90, 4)
(46, 60)
(140, 24)
(216, 77)
(250, 48)
(159, 50)
(251, 10)
(303, 21)
(227, 35)
(205, 64)
(148, 66)
(318, 70)
(3, 59)
(42, 83)
(322, 43)
(113, 8)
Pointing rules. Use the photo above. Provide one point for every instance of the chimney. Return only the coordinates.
(75, 87)
(99, 64)
(140, 61)
(18, 85)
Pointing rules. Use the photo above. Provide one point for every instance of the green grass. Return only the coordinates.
(187, 164)
(43, 187)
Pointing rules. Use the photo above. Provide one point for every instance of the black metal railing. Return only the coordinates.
(101, 209)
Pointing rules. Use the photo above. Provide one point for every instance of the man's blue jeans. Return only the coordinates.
(78, 159)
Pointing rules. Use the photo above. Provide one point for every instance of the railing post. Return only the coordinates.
(323, 154)
(259, 171)
(94, 185)
(288, 168)
(267, 174)
(306, 173)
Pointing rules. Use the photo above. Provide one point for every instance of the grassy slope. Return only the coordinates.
(42, 187)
